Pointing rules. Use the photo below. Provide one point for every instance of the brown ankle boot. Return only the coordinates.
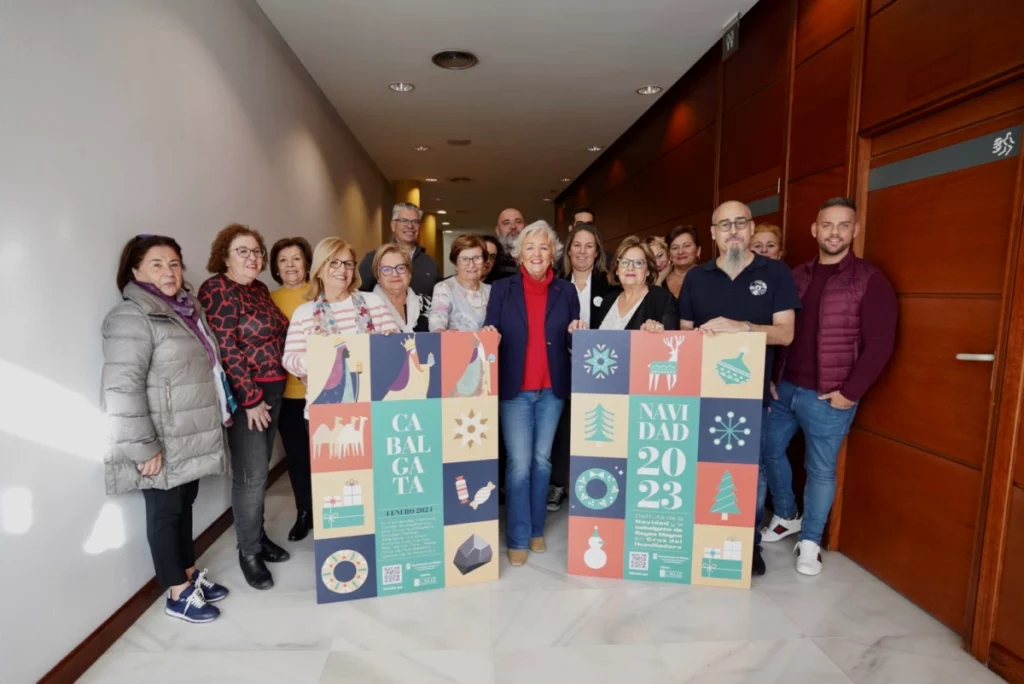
(517, 557)
(537, 545)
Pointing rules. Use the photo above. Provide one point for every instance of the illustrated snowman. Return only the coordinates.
(595, 558)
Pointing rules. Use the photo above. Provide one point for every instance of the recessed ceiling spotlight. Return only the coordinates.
(402, 87)
(446, 223)
(455, 60)
(422, 148)
(546, 199)
(441, 212)
(567, 180)
(430, 180)
(648, 90)
(447, 232)
(594, 148)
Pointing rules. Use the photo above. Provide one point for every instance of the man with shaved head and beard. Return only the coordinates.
(742, 292)
(510, 224)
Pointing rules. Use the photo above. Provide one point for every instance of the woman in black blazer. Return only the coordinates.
(583, 265)
(636, 303)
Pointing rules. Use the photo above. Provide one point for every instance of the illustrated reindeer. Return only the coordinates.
(655, 369)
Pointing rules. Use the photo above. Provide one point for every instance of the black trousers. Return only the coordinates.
(560, 449)
(169, 531)
(295, 437)
(250, 465)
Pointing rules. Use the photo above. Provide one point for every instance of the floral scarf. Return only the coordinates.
(323, 316)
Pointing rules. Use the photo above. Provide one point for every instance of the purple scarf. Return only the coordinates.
(183, 306)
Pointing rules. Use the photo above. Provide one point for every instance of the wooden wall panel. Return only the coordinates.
(921, 50)
(805, 196)
(965, 230)
(819, 22)
(932, 331)
(876, 5)
(753, 135)
(763, 54)
(679, 183)
(821, 102)
(1010, 618)
(917, 518)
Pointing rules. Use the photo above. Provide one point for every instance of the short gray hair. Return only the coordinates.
(539, 228)
(399, 206)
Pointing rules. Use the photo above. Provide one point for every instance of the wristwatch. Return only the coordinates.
(750, 328)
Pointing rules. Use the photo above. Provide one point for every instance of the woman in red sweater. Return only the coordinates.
(250, 332)
(535, 313)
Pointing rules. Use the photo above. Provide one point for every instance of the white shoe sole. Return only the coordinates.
(770, 536)
(811, 572)
(554, 507)
(187, 618)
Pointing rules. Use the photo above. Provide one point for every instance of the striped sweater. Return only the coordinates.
(301, 327)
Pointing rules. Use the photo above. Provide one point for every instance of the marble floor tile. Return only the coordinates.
(932, 659)
(792, 661)
(537, 624)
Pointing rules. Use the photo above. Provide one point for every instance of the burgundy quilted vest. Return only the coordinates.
(839, 342)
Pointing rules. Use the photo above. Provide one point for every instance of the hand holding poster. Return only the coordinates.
(404, 448)
(665, 443)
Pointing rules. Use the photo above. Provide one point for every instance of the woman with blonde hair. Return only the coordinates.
(336, 305)
(659, 248)
(393, 270)
(767, 241)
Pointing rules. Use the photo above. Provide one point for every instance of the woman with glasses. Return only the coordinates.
(289, 266)
(393, 270)
(637, 303)
(683, 252)
(460, 302)
(336, 305)
(250, 332)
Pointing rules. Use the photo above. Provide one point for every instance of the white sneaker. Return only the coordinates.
(808, 557)
(780, 528)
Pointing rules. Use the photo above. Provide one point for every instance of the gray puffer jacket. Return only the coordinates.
(159, 396)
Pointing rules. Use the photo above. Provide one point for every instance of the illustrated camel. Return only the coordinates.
(348, 438)
(670, 368)
(324, 436)
(413, 381)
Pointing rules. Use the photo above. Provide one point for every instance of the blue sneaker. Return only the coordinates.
(212, 591)
(192, 607)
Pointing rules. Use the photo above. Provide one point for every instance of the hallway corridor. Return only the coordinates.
(538, 625)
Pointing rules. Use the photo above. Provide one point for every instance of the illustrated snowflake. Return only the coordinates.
(600, 361)
(730, 430)
(470, 428)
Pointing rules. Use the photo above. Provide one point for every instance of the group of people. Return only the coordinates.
(195, 383)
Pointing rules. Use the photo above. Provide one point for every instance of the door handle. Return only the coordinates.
(976, 357)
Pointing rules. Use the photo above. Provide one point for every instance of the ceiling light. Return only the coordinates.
(648, 90)
(422, 148)
(446, 223)
(430, 180)
(546, 199)
(455, 60)
(402, 87)
(594, 148)
(441, 212)
(447, 232)
(567, 180)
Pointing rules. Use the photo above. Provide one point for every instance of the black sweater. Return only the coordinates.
(658, 305)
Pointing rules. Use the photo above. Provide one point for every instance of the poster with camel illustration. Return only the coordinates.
(665, 435)
(404, 455)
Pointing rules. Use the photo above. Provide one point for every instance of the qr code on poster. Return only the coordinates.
(392, 574)
(638, 560)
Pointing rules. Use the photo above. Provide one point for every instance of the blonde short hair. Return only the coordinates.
(653, 241)
(534, 229)
(384, 250)
(626, 245)
(774, 230)
(325, 251)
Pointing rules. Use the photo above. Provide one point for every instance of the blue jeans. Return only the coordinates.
(824, 428)
(528, 424)
(762, 481)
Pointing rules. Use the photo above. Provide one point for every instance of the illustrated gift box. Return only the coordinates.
(724, 563)
(346, 511)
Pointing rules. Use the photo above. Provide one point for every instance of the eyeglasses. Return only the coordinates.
(335, 264)
(246, 252)
(408, 222)
(738, 224)
(400, 269)
(637, 264)
(467, 260)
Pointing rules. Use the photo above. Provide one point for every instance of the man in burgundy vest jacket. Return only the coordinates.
(844, 336)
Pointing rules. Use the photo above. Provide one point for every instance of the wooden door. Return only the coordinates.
(940, 207)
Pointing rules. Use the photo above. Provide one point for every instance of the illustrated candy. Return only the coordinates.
(482, 495)
(471, 554)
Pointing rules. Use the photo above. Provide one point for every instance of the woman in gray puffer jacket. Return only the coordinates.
(167, 400)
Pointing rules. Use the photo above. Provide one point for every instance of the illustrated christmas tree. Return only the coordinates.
(725, 499)
(599, 424)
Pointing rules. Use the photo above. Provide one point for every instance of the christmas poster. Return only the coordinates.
(404, 456)
(666, 431)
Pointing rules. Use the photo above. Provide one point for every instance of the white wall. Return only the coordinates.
(120, 117)
(449, 237)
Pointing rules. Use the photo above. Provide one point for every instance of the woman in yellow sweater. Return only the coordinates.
(289, 266)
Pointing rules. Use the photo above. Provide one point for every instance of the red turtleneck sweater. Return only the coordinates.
(536, 375)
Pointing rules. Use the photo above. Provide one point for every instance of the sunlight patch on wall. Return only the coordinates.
(108, 530)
